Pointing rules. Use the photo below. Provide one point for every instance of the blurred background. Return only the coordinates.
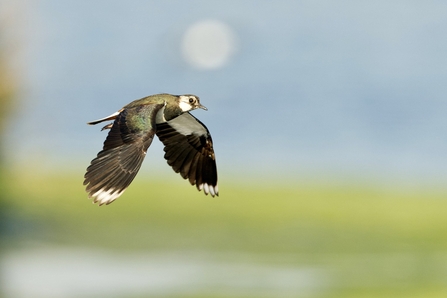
(328, 121)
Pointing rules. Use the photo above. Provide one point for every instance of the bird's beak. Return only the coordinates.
(203, 107)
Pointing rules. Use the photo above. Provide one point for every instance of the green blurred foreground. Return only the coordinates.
(370, 241)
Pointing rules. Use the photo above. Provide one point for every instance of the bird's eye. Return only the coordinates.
(191, 100)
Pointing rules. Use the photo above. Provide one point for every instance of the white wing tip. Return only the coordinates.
(209, 189)
(103, 196)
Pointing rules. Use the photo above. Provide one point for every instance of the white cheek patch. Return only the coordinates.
(185, 106)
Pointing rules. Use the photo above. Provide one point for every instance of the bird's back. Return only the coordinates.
(152, 99)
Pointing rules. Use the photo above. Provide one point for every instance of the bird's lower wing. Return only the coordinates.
(189, 151)
(114, 168)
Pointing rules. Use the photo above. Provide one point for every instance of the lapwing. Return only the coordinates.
(187, 144)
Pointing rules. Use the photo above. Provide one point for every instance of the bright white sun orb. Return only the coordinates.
(208, 44)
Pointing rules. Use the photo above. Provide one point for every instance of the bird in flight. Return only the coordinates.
(187, 144)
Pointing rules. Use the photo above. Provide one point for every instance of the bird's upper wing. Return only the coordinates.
(189, 151)
(114, 168)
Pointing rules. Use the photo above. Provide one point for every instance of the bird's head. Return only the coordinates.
(190, 102)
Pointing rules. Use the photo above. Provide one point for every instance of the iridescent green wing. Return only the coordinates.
(114, 168)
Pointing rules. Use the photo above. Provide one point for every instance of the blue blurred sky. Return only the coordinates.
(339, 87)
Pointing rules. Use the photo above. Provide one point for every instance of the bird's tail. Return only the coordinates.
(111, 117)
